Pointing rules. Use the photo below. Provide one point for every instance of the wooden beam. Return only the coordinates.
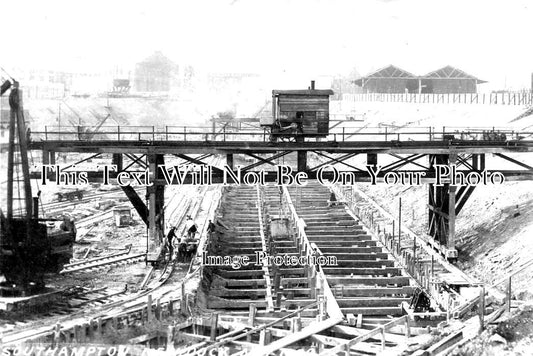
(393, 271)
(334, 341)
(302, 334)
(347, 280)
(266, 273)
(348, 330)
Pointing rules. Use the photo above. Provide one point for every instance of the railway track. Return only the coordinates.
(368, 292)
(79, 305)
(52, 208)
(69, 301)
(365, 291)
(105, 261)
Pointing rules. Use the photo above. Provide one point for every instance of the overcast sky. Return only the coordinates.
(489, 39)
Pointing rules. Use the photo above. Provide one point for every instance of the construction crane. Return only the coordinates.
(29, 246)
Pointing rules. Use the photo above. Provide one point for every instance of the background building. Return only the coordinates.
(449, 80)
(156, 73)
(394, 80)
(390, 79)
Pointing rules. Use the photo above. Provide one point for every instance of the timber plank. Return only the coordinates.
(393, 271)
(302, 334)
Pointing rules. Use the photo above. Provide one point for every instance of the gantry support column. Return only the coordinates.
(302, 161)
(372, 159)
(49, 158)
(156, 203)
(229, 160)
(118, 160)
(452, 160)
(135, 199)
(478, 161)
(441, 209)
(446, 202)
(450, 244)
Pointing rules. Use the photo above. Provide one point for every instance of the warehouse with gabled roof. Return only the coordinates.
(449, 79)
(390, 79)
(393, 80)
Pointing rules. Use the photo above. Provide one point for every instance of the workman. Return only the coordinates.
(191, 227)
(170, 237)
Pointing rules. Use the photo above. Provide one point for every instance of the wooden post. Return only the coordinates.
(214, 326)
(358, 322)
(251, 320)
(83, 333)
(407, 327)
(322, 307)
(262, 337)
(382, 338)
(279, 295)
(183, 301)
(277, 281)
(399, 224)
(414, 248)
(68, 337)
(393, 232)
(158, 309)
(195, 326)
(297, 324)
(99, 326)
(283, 305)
(347, 348)
(90, 328)
(251, 315)
(312, 282)
(448, 309)
(451, 214)
(149, 307)
(482, 309)
(171, 307)
(77, 333)
(188, 299)
(509, 294)
(57, 334)
(432, 266)
(170, 338)
(427, 275)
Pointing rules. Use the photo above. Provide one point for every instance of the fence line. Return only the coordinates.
(509, 98)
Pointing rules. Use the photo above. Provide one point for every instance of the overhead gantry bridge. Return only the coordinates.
(352, 153)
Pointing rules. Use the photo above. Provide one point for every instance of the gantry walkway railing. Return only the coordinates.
(345, 133)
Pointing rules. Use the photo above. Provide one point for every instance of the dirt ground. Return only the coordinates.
(494, 228)
(494, 232)
(513, 335)
(104, 238)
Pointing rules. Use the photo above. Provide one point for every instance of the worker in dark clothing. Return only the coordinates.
(332, 199)
(182, 250)
(315, 254)
(211, 227)
(191, 228)
(170, 237)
